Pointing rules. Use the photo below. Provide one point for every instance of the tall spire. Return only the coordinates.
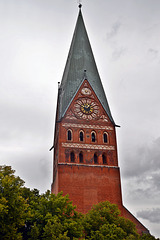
(80, 59)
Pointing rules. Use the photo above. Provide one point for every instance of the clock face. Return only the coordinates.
(86, 108)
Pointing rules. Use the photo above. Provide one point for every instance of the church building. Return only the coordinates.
(85, 161)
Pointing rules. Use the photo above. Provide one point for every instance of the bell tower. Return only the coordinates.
(85, 163)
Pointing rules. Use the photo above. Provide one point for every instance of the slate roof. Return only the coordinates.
(80, 58)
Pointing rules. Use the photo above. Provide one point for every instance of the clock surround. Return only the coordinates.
(86, 108)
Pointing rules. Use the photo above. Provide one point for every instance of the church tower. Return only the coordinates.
(85, 164)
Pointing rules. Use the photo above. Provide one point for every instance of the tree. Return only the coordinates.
(54, 217)
(26, 214)
(104, 222)
(147, 237)
(13, 207)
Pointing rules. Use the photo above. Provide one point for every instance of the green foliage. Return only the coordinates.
(104, 222)
(13, 207)
(147, 237)
(27, 215)
(34, 233)
(55, 217)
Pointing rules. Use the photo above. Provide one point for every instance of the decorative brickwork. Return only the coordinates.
(69, 150)
(74, 125)
(88, 146)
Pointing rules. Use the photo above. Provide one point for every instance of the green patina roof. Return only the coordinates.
(80, 58)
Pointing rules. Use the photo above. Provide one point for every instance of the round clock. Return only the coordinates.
(86, 108)
(86, 91)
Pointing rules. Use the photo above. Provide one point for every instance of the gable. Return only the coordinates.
(86, 106)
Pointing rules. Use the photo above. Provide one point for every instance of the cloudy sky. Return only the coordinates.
(35, 37)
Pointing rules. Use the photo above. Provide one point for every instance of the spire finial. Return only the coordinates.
(85, 75)
(80, 4)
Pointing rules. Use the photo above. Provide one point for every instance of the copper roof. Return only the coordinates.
(80, 59)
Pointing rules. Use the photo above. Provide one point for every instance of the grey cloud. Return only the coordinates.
(144, 194)
(33, 164)
(144, 159)
(141, 193)
(142, 173)
(114, 30)
(153, 53)
(114, 37)
(152, 215)
(118, 52)
(155, 179)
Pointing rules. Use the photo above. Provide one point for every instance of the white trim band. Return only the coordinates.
(88, 146)
(86, 126)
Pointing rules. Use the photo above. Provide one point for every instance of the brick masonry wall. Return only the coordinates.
(88, 185)
(87, 182)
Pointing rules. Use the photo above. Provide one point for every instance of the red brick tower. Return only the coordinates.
(85, 148)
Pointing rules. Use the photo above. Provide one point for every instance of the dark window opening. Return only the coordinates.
(104, 159)
(105, 138)
(69, 135)
(95, 158)
(93, 137)
(81, 136)
(72, 156)
(81, 157)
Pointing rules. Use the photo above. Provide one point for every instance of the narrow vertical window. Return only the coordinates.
(104, 158)
(69, 135)
(81, 157)
(81, 136)
(72, 156)
(93, 136)
(105, 138)
(95, 158)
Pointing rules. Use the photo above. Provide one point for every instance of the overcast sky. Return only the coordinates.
(35, 37)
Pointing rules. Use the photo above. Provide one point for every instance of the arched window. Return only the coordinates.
(95, 158)
(81, 157)
(93, 137)
(104, 159)
(69, 135)
(72, 156)
(105, 137)
(81, 136)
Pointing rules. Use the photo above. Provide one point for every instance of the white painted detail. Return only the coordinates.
(88, 146)
(86, 126)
